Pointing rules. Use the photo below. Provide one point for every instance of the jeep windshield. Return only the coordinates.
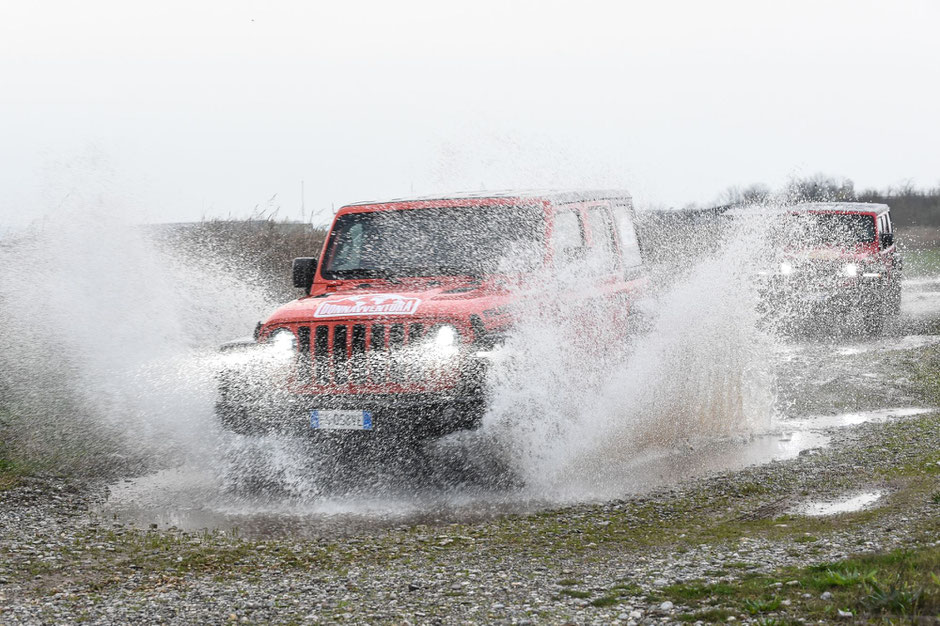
(816, 230)
(466, 241)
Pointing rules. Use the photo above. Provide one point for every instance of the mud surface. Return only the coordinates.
(824, 381)
(850, 465)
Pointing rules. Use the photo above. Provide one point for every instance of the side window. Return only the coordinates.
(629, 246)
(603, 252)
(567, 235)
(889, 228)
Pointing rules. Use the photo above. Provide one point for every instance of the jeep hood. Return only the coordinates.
(393, 302)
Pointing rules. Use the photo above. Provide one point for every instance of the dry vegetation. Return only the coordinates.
(913, 209)
(263, 248)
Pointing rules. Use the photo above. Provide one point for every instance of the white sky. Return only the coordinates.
(210, 108)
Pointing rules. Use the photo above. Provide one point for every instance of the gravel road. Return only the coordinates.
(65, 557)
(602, 563)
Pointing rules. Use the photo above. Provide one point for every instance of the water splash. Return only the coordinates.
(571, 416)
(106, 335)
(112, 336)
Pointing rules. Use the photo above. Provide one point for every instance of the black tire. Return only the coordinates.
(234, 418)
(470, 458)
(893, 298)
(873, 319)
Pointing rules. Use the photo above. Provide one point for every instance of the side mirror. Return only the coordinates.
(887, 240)
(303, 270)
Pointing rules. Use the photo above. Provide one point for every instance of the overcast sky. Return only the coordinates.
(211, 108)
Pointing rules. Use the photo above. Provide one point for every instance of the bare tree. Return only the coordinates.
(819, 188)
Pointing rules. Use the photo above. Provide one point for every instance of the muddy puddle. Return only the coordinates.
(821, 385)
(190, 498)
(848, 503)
(920, 298)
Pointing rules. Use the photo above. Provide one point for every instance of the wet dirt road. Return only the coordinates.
(821, 383)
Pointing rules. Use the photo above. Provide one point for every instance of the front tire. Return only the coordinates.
(235, 418)
(873, 319)
(893, 298)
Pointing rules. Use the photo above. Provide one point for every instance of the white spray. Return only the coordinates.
(103, 331)
(578, 403)
(95, 313)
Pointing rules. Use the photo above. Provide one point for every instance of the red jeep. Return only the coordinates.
(831, 258)
(409, 299)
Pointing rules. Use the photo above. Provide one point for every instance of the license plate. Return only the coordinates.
(340, 420)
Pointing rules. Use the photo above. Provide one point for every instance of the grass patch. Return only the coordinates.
(575, 593)
(8, 469)
(895, 599)
(841, 577)
(751, 489)
(756, 606)
(922, 262)
(603, 601)
(927, 374)
(697, 591)
(12, 470)
(898, 585)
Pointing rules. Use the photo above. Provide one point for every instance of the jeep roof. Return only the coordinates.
(816, 207)
(552, 195)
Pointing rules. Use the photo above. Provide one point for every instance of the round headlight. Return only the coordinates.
(283, 340)
(445, 337)
(786, 268)
(850, 269)
(443, 341)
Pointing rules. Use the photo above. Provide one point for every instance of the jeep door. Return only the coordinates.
(610, 276)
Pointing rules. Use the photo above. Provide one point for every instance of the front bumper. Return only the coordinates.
(797, 297)
(256, 400)
(411, 416)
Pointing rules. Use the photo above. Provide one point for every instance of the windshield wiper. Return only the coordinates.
(365, 272)
(453, 270)
(424, 272)
(395, 274)
(384, 272)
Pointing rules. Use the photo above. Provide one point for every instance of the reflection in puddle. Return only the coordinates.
(828, 377)
(920, 297)
(846, 504)
(190, 499)
(853, 419)
(909, 342)
(656, 468)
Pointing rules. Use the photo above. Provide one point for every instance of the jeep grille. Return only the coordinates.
(366, 355)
